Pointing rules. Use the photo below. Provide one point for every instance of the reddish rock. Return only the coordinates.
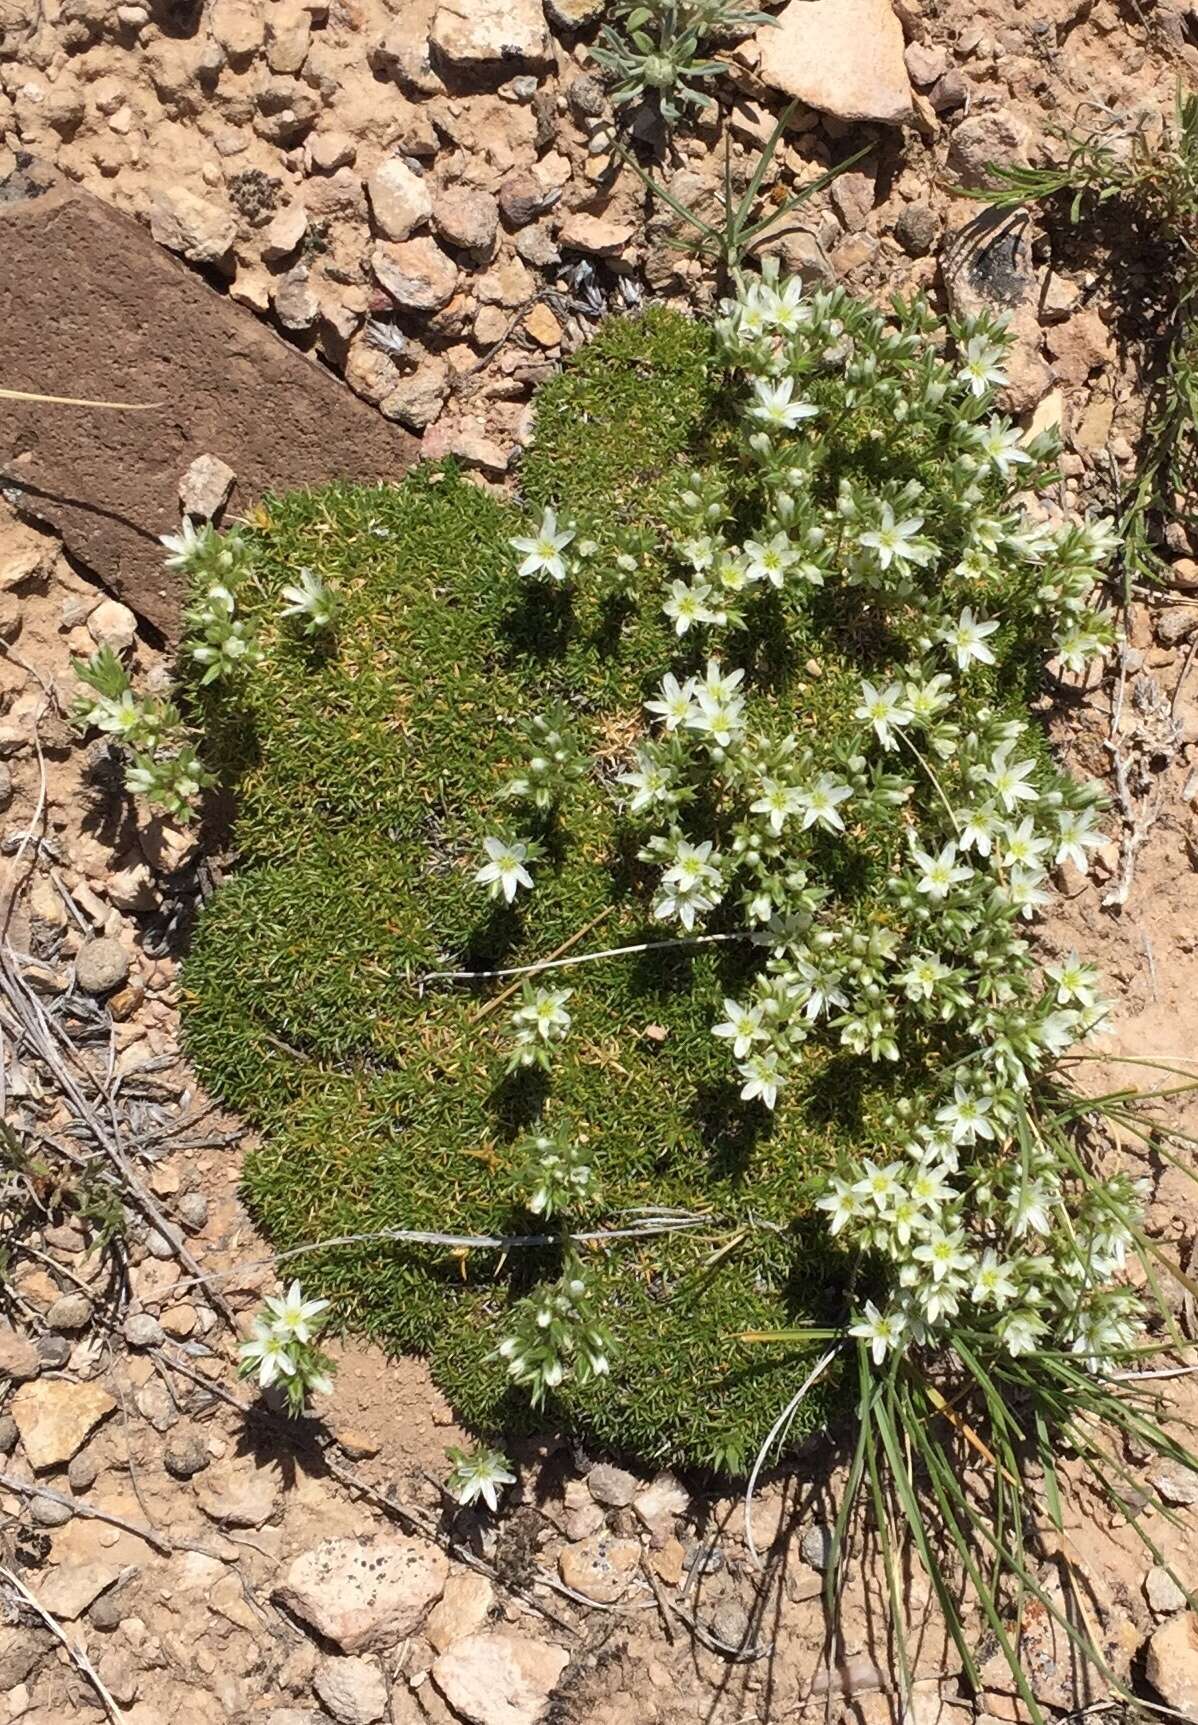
(151, 330)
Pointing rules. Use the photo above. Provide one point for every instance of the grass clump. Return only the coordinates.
(371, 759)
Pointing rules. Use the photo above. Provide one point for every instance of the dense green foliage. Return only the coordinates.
(368, 767)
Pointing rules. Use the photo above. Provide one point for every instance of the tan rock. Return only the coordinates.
(600, 236)
(499, 1679)
(284, 233)
(542, 326)
(601, 1567)
(400, 201)
(237, 25)
(362, 1594)
(54, 1417)
(842, 57)
(1172, 1663)
(67, 1591)
(416, 273)
(462, 1610)
(198, 230)
(486, 33)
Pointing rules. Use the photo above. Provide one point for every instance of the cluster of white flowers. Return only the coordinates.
(874, 462)
(282, 1348)
(540, 1022)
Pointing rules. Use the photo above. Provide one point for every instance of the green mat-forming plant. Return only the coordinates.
(629, 964)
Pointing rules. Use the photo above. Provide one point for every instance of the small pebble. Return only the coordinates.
(143, 1331)
(159, 1246)
(101, 965)
(193, 1210)
(612, 1486)
(107, 1612)
(730, 1623)
(83, 1471)
(815, 1546)
(70, 1312)
(8, 1434)
(53, 1351)
(184, 1455)
(47, 1513)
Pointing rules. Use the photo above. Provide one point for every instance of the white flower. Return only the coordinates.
(742, 1026)
(775, 408)
(1078, 834)
(546, 1013)
(543, 551)
(943, 1254)
(769, 562)
(762, 1078)
(185, 546)
(1023, 891)
(309, 598)
(720, 717)
(676, 701)
(980, 367)
(879, 1185)
(1075, 980)
(967, 1116)
(778, 801)
(1029, 1205)
(1021, 848)
(992, 1283)
(1009, 779)
(923, 976)
(841, 1204)
(967, 638)
(504, 872)
(479, 1473)
(819, 802)
(291, 1315)
(688, 605)
(269, 1351)
(1020, 1330)
(883, 709)
(897, 541)
(1000, 444)
(978, 828)
(929, 1188)
(939, 874)
(881, 1330)
(651, 782)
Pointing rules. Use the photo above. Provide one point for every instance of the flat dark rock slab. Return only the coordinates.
(91, 306)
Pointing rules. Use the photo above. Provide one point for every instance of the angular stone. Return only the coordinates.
(492, 35)
(54, 1417)
(198, 230)
(599, 236)
(499, 1679)
(601, 1567)
(462, 1609)
(614, 1487)
(842, 57)
(152, 331)
(18, 1357)
(466, 218)
(400, 200)
(416, 273)
(363, 1594)
(353, 1689)
(206, 486)
(1172, 1663)
(68, 1591)
(244, 1497)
